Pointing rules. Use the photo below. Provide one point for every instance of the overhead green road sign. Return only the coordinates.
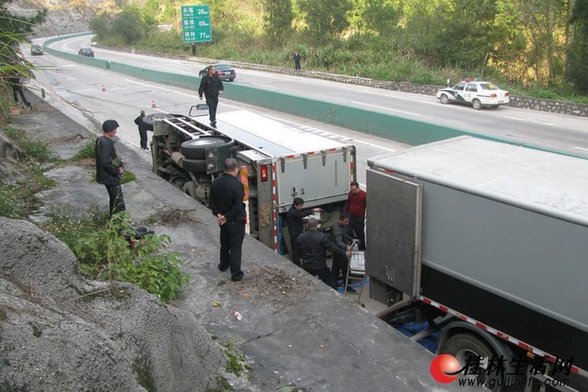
(196, 23)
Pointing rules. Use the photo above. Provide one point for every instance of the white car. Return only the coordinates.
(476, 93)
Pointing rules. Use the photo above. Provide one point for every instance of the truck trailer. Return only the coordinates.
(278, 163)
(489, 243)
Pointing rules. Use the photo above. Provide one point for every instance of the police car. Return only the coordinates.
(474, 92)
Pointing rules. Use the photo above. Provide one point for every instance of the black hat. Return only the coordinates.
(109, 125)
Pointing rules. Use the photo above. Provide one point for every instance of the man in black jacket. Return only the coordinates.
(211, 86)
(314, 245)
(109, 166)
(342, 240)
(142, 130)
(226, 202)
(295, 224)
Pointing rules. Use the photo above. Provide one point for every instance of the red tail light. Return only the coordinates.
(263, 173)
(506, 94)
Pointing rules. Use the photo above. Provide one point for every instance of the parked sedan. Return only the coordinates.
(36, 50)
(224, 71)
(474, 92)
(88, 52)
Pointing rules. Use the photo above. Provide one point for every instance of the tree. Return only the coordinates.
(468, 36)
(326, 19)
(277, 20)
(129, 25)
(577, 66)
(13, 31)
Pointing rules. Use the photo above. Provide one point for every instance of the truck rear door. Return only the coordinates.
(393, 225)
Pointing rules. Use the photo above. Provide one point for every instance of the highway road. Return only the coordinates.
(551, 130)
(90, 95)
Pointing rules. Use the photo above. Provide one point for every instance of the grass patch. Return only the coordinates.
(18, 200)
(108, 249)
(236, 361)
(86, 152)
(35, 148)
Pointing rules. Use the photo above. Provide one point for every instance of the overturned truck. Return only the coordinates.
(278, 163)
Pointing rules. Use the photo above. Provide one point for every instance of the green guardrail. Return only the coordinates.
(384, 125)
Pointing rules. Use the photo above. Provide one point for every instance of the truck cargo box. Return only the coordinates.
(494, 231)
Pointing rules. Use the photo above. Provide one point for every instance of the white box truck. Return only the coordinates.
(489, 242)
(279, 162)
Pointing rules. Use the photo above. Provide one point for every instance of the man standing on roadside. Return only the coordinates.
(109, 166)
(15, 82)
(355, 207)
(297, 58)
(226, 202)
(211, 86)
(142, 130)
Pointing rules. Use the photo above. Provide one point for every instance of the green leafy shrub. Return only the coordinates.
(34, 148)
(109, 252)
(86, 152)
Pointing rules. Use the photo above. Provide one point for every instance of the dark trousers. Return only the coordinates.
(357, 224)
(231, 240)
(295, 248)
(340, 265)
(17, 89)
(117, 202)
(143, 136)
(212, 103)
(297, 64)
(323, 274)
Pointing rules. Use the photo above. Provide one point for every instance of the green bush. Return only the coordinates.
(109, 252)
(9, 205)
(86, 152)
(34, 148)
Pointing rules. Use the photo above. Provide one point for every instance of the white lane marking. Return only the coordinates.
(387, 108)
(531, 121)
(580, 148)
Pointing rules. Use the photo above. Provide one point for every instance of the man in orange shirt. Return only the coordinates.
(355, 207)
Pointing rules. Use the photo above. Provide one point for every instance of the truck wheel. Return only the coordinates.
(477, 104)
(467, 348)
(196, 149)
(194, 165)
(444, 99)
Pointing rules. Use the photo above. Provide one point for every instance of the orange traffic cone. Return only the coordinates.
(103, 88)
(153, 104)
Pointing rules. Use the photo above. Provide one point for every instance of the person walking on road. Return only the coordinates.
(142, 130)
(297, 59)
(342, 241)
(211, 86)
(226, 202)
(109, 166)
(355, 207)
(294, 218)
(15, 82)
(314, 245)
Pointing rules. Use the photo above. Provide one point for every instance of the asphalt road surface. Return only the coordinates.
(562, 132)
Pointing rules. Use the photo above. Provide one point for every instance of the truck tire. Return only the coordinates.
(465, 345)
(194, 165)
(196, 149)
